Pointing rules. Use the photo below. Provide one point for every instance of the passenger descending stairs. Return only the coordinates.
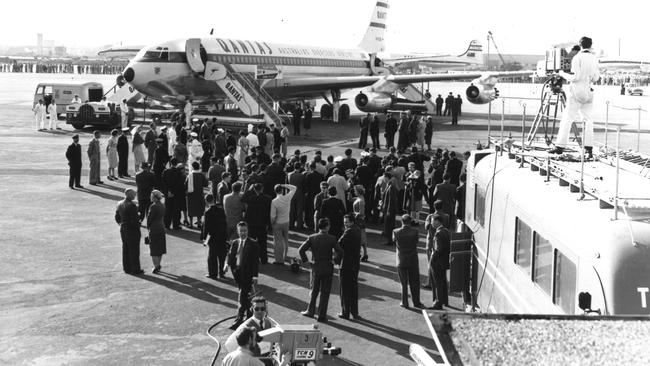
(412, 93)
(250, 97)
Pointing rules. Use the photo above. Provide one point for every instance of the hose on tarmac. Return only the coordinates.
(214, 359)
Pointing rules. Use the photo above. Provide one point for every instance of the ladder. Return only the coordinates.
(412, 93)
(243, 90)
(632, 161)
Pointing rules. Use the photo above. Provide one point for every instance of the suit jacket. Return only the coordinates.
(93, 149)
(333, 209)
(390, 201)
(446, 192)
(73, 154)
(312, 182)
(123, 145)
(174, 182)
(441, 247)
(127, 216)
(214, 224)
(160, 158)
(144, 182)
(321, 245)
(454, 168)
(150, 140)
(350, 242)
(250, 259)
(406, 244)
(259, 210)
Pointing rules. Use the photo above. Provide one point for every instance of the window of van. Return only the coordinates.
(523, 245)
(565, 282)
(479, 204)
(543, 263)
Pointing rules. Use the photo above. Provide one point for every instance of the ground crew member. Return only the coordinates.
(364, 124)
(54, 118)
(439, 102)
(39, 115)
(584, 71)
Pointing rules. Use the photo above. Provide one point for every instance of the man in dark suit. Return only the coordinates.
(390, 129)
(297, 116)
(390, 208)
(449, 102)
(312, 187)
(322, 245)
(364, 124)
(73, 154)
(145, 181)
(454, 167)
(374, 132)
(439, 102)
(439, 263)
(123, 154)
(174, 190)
(408, 269)
(446, 192)
(350, 243)
(243, 260)
(333, 209)
(275, 175)
(160, 159)
(126, 215)
(258, 212)
(215, 230)
(348, 162)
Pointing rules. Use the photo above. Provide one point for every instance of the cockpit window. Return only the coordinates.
(157, 54)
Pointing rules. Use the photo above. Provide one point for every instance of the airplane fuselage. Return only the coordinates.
(162, 72)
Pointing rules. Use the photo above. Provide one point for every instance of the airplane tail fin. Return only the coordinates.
(373, 41)
(474, 53)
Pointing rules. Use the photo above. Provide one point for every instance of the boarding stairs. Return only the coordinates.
(631, 161)
(244, 91)
(414, 94)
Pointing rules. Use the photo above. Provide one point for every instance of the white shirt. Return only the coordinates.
(51, 109)
(281, 205)
(188, 108)
(39, 109)
(196, 149)
(75, 100)
(124, 108)
(341, 186)
(231, 342)
(253, 141)
(585, 69)
(241, 357)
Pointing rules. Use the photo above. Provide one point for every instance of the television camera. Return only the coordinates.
(557, 59)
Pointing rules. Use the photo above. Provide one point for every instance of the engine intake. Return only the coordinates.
(373, 102)
(477, 96)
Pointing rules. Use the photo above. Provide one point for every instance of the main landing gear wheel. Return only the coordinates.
(344, 112)
(326, 111)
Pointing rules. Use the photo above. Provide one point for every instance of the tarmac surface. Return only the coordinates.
(64, 299)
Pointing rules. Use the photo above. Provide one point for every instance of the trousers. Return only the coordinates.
(75, 175)
(258, 232)
(576, 112)
(439, 285)
(409, 277)
(280, 241)
(321, 284)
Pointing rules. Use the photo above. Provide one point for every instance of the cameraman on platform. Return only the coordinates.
(584, 71)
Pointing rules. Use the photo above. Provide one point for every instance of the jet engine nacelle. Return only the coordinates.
(479, 95)
(373, 102)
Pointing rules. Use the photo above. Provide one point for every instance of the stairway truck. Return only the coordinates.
(92, 113)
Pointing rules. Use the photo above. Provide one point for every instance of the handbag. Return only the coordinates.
(147, 240)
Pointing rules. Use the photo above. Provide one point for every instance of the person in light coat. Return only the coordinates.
(39, 115)
(279, 217)
(188, 113)
(124, 110)
(54, 117)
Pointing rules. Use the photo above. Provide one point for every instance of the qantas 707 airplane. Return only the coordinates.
(211, 69)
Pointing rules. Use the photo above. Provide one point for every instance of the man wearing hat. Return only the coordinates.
(195, 148)
(145, 181)
(123, 154)
(126, 215)
(150, 142)
(160, 160)
(73, 154)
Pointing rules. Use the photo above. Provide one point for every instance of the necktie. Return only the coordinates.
(239, 252)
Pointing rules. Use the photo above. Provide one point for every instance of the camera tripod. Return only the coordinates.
(553, 103)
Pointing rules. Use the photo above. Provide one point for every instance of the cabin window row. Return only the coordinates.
(292, 61)
(546, 266)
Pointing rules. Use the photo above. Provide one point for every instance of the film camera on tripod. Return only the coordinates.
(557, 59)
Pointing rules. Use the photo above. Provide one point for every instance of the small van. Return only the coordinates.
(63, 92)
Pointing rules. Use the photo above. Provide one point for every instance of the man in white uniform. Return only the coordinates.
(195, 147)
(584, 71)
(188, 113)
(39, 115)
(54, 118)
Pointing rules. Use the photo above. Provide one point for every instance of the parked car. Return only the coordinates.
(633, 89)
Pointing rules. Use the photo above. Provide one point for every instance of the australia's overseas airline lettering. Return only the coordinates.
(262, 48)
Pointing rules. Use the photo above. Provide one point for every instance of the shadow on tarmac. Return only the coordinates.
(195, 288)
(103, 195)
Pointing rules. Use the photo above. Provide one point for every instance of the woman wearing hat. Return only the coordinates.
(156, 226)
(111, 153)
(243, 146)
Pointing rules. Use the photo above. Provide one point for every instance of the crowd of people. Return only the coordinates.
(235, 191)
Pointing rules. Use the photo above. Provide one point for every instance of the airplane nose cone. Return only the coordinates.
(129, 74)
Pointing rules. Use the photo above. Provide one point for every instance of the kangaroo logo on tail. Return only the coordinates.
(373, 41)
(475, 50)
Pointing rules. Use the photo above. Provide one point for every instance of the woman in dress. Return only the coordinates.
(195, 199)
(242, 149)
(138, 149)
(111, 153)
(422, 126)
(156, 227)
(359, 209)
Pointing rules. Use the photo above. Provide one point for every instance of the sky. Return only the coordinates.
(428, 26)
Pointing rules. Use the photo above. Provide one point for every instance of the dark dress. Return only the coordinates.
(195, 200)
(156, 226)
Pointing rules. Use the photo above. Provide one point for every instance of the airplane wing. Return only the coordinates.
(352, 82)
